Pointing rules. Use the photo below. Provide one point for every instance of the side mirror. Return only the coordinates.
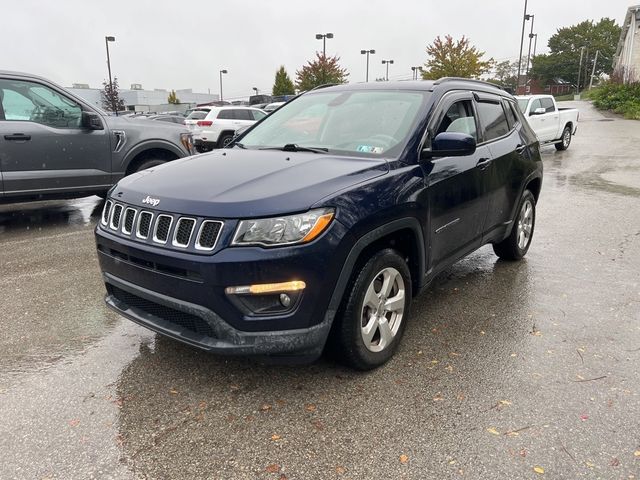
(92, 121)
(538, 111)
(450, 144)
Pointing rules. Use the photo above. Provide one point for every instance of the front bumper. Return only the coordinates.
(182, 295)
(203, 328)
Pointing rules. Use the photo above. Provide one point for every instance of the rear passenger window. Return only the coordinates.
(493, 120)
(459, 118)
(226, 115)
(511, 116)
(243, 114)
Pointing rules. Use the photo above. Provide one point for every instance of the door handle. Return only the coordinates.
(483, 163)
(521, 148)
(17, 137)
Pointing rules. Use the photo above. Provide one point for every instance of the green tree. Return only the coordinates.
(565, 46)
(321, 71)
(110, 96)
(283, 84)
(173, 99)
(449, 58)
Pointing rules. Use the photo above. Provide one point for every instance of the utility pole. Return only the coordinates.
(593, 70)
(113, 100)
(524, 19)
(579, 70)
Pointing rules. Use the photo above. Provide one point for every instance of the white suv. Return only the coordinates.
(219, 126)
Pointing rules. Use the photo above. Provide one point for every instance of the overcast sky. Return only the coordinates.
(173, 45)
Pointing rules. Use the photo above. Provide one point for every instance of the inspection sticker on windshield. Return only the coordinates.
(369, 149)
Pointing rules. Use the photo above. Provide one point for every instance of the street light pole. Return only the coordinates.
(367, 53)
(221, 72)
(387, 62)
(323, 37)
(524, 19)
(415, 71)
(526, 74)
(255, 89)
(113, 100)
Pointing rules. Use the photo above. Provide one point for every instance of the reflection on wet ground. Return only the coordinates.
(504, 366)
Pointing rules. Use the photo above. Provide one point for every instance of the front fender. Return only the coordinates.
(149, 145)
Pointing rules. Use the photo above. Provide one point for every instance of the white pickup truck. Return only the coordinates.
(551, 124)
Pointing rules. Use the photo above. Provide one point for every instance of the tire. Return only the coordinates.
(149, 163)
(366, 348)
(224, 139)
(516, 245)
(565, 139)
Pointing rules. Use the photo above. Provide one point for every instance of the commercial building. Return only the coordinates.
(139, 100)
(626, 62)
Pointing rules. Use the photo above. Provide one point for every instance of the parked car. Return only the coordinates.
(291, 237)
(220, 124)
(551, 123)
(178, 119)
(273, 106)
(198, 113)
(54, 144)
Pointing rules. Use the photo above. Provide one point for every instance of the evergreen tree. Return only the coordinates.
(283, 84)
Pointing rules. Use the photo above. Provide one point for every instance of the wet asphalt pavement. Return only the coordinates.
(507, 370)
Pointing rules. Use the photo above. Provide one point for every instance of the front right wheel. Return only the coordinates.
(516, 245)
(376, 310)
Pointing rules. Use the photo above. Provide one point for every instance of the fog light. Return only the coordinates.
(285, 300)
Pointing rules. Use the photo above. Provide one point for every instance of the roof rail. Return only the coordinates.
(324, 85)
(456, 79)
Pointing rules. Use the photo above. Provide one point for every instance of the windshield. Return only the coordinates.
(369, 122)
(522, 104)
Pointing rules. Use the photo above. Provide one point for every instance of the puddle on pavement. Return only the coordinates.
(51, 289)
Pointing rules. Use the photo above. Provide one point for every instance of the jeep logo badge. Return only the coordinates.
(151, 201)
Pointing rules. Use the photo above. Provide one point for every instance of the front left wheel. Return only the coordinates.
(565, 139)
(375, 314)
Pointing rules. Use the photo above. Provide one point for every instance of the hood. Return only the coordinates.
(123, 123)
(235, 183)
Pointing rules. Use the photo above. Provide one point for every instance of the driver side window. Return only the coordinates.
(26, 101)
(459, 118)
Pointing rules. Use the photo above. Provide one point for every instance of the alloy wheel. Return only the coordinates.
(525, 224)
(382, 309)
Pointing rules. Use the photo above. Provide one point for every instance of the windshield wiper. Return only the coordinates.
(238, 144)
(292, 147)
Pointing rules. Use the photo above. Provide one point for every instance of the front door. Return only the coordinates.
(43, 148)
(456, 186)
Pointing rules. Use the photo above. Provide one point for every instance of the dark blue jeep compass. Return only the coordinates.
(322, 221)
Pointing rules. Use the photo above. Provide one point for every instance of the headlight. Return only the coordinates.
(187, 142)
(286, 230)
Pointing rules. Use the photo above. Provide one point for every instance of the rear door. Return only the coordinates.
(456, 185)
(43, 148)
(243, 117)
(504, 175)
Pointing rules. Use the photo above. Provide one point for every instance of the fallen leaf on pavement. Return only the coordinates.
(310, 407)
(636, 453)
(273, 468)
(275, 437)
(340, 470)
(173, 392)
(74, 422)
(265, 407)
(493, 430)
(539, 470)
(404, 458)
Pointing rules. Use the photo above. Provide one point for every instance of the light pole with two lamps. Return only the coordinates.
(113, 100)
(367, 53)
(387, 63)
